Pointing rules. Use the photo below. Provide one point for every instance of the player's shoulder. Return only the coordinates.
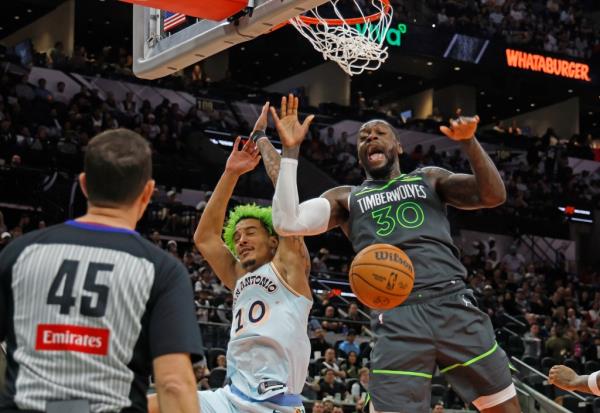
(339, 193)
(431, 171)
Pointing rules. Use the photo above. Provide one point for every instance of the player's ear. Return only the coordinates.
(273, 242)
(83, 184)
(399, 148)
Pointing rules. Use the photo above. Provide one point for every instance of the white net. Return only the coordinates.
(355, 45)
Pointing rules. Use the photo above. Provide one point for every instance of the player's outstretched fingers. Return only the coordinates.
(265, 110)
(249, 146)
(236, 143)
(307, 122)
(284, 104)
(295, 106)
(290, 106)
(446, 131)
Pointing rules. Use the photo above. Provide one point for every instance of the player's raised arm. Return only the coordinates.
(269, 154)
(566, 379)
(289, 216)
(484, 188)
(208, 234)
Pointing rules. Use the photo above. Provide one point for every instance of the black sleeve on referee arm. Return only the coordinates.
(5, 284)
(173, 327)
(3, 300)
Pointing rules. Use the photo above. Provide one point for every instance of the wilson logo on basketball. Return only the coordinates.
(381, 276)
(392, 281)
(387, 256)
(54, 337)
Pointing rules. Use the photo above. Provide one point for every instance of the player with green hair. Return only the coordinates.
(269, 351)
(241, 212)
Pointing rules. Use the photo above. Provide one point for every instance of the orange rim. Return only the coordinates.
(357, 20)
(338, 22)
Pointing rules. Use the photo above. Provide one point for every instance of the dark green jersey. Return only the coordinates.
(408, 213)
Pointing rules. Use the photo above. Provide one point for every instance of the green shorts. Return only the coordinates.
(445, 330)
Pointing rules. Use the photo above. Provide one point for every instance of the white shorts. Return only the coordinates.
(224, 401)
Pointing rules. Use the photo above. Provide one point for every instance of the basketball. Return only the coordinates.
(382, 276)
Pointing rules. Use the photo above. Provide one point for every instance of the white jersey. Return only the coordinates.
(269, 349)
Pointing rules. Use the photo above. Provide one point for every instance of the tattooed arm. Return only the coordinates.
(484, 188)
(272, 159)
(270, 156)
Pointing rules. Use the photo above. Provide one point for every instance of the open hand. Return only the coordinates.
(242, 160)
(290, 131)
(461, 129)
(562, 377)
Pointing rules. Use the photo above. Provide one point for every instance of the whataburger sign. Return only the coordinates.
(548, 65)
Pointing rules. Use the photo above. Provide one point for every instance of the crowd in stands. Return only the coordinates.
(556, 26)
(543, 314)
(557, 312)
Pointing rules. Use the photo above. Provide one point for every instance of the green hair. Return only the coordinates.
(263, 214)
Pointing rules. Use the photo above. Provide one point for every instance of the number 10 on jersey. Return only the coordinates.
(255, 314)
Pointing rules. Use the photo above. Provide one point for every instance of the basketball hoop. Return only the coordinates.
(355, 44)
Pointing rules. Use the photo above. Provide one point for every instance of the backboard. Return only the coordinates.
(157, 53)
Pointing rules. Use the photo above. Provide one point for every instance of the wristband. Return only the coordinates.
(258, 134)
(593, 383)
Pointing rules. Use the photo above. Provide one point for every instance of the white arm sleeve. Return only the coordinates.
(593, 383)
(291, 218)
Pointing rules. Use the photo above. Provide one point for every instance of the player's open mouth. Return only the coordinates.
(375, 155)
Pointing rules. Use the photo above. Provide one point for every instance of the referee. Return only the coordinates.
(89, 309)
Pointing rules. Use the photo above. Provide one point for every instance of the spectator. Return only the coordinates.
(572, 319)
(318, 407)
(557, 346)
(56, 56)
(329, 137)
(319, 263)
(354, 315)
(328, 404)
(41, 92)
(329, 386)
(24, 90)
(513, 261)
(200, 370)
(360, 389)
(438, 408)
(330, 363)
(318, 344)
(533, 342)
(155, 239)
(329, 324)
(349, 345)
(351, 365)
(221, 361)
(224, 310)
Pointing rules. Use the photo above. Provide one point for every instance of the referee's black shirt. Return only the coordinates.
(84, 309)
